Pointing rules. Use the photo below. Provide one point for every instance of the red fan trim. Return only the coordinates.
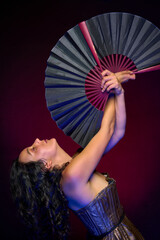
(114, 63)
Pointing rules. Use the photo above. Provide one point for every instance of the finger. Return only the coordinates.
(130, 76)
(133, 76)
(106, 72)
(125, 77)
(112, 86)
(125, 72)
(108, 84)
(108, 88)
(105, 79)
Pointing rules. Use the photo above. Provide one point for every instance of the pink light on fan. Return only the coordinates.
(87, 36)
(114, 63)
(150, 69)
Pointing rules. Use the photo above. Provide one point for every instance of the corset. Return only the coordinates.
(104, 217)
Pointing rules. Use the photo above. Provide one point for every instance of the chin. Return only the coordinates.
(53, 141)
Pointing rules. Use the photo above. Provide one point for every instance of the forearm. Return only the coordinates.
(109, 112)
(120, 123)
(120, 113)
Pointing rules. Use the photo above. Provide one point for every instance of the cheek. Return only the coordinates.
(46, 152)
(41, 153)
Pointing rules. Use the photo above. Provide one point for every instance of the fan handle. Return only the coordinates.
(85, 32)
(150, 69)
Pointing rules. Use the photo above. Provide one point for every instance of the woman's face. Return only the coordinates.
(44, 150)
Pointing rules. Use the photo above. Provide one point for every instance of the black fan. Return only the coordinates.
(113, 41)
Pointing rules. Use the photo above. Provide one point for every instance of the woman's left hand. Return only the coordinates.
(112, 81)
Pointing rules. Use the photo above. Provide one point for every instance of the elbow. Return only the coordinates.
(120, 134)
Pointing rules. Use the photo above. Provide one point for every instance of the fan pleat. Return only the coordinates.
(139, 47)
(82, 128)
(65, 121)
(88, 127)
(126, 22)
(149, 56)
(64, 103)
(92, 79)
(67, 107)
(115, 23)
(95, 71)
(73, 59)
(64, 81)
(81, 45)
(73, 49)
(101, 39)
(143, 63)
(68, 66)
(53, 72)
(149, 40)
(56, 96)
(72, 119)
(132, 36)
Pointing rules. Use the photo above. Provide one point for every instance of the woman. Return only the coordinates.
(45, 180)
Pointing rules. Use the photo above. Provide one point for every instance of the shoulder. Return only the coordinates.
(79, 196)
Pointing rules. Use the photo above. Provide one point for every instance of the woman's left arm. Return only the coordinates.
(114, 82)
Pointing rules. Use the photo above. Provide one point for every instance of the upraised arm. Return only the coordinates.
(80, 169)
(112, 82)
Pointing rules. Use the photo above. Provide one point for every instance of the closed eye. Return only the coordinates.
(28, 152)
(34, 149)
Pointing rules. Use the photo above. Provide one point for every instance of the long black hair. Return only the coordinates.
(40, 200)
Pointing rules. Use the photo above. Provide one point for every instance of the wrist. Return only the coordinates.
(121, 92)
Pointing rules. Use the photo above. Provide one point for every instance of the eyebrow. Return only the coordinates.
(28, 152)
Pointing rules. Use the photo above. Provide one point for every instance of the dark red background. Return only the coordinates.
(28, 33)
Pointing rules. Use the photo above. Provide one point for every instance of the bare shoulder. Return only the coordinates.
(80, 196)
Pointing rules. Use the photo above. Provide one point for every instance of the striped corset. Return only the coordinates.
(104, 217)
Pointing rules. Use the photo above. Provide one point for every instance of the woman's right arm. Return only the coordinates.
(80, 169)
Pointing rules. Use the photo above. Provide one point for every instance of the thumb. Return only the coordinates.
(132, 76)
(106, 72)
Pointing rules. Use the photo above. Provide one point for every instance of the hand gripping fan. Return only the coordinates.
(113, 41)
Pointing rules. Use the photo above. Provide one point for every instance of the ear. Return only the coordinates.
(47, 164)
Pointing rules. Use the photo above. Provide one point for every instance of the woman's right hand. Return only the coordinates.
(111, 82)
(124, 76)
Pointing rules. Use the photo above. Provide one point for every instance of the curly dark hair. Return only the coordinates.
(39, 199)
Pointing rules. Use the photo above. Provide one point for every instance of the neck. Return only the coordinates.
(61, 157)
